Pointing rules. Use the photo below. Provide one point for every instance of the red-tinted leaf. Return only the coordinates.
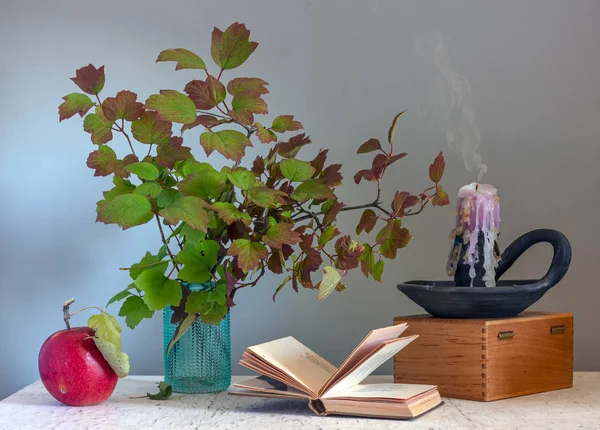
(369, 146)
(331, 176)
(205, 94)
(313, 256)
(101, 160)
(150, 130)
(258, 166)
(74, 103)
(264, 134)
(367, 222)
(242, 117)
(248, 253)
(291, 148)
(319, 161)
(284, 123)
(281, 234)
(440, 198)
(90, 79)
(436, 170)
(378, 165)
(237, 230)
(230, 283)
(171, 152)
(392, 237)
(348, 251)
(304, 277)
(402, 201)
(207, 121)
(119, 166)
(247, 87)
(392, 129)
(123, 106)
(275, 263)
(229, 49)
(395, 158)
(332, 213)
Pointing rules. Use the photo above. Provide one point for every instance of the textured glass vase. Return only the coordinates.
(200, 361)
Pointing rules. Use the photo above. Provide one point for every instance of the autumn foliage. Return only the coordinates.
(228, 227)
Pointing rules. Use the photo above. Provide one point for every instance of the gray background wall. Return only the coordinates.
(344, 68)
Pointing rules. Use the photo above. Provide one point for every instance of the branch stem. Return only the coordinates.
(164, 240)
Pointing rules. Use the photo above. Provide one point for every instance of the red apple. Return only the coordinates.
(73, 369)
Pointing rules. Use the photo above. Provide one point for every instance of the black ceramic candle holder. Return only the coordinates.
(458, 299)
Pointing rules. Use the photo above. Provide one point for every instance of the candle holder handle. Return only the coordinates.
(560, 260)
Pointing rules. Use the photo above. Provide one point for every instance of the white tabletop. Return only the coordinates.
(33, 407)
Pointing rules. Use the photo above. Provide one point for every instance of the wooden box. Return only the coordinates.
(491, 359)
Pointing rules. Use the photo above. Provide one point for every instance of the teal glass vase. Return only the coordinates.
(200, 361)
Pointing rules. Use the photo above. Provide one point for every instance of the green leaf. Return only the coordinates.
(249, 253)
(74, 103)
(367, 222)
(312, 189)
(123, 106)
(122, 186)
(134, 310)
(164, 392)
(206, 94)
(230, 214)
(392, 130)
(284, 123)
(120, 295)
(207, 183)
(266, 197)
(167, 197)
(150, 190)
(281, 234)
(172, 106)
(211, 305)
(296, 170)
(170, 153)
(377, 270)
(98, 126)
(151, 130)
(148, 261)
(90, 79)
(229, 143)
(249, 105)
(183, 327)
(185, 59)
(328, 234)
(392, 237)
(107, 337)
(331, 278)
(242, 178)
(369, 146)
(440, 198)
(264, 134)
(247, 87)
(126, 210)
(367, 260)
(159, 291)
(144, 170)
(189, 209)
(229, 49)
(198, 259)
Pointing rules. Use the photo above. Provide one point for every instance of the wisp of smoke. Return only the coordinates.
(452, 104)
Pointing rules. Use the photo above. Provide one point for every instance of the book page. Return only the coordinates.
(400, 392)
(265, 384)
(368, 344)
(296, 360)
(363, 369)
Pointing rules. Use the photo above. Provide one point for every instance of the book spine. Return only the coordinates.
(317, 407)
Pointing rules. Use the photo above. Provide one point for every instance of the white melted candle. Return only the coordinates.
(479, 211)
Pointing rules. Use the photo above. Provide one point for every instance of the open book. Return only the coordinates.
(291, 370)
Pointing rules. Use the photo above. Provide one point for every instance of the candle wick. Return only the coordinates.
(476, 187)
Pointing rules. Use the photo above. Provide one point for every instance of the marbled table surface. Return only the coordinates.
(34, 408)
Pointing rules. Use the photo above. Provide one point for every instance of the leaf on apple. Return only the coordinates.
(107, 337)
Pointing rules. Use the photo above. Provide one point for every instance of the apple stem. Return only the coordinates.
(66, 314)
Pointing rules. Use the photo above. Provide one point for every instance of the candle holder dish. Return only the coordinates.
(470, 298)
